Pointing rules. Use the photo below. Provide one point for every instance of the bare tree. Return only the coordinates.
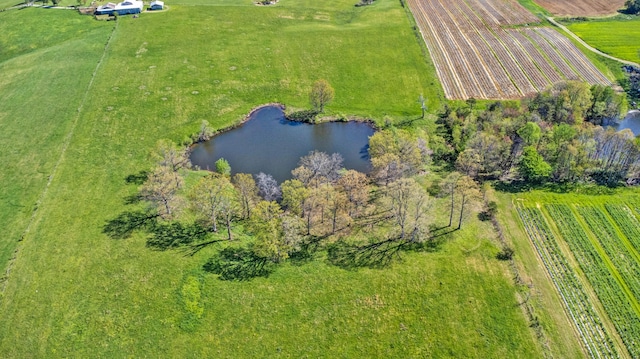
(408, 202)
(321, 94)
(469, 194)
(160, 189)
(356, 187)
(318, 167)
(248, 192)
(335, 204)
(168, 155)
(449, 185)
(268, 187)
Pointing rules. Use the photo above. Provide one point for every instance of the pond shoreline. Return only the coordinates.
(272, 144)
(283, 107)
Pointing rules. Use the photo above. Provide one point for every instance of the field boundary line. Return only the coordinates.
(589, 47)
(4, 280)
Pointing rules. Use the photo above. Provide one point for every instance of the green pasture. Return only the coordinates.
(74, 292)
(617, 36)
(42, 84)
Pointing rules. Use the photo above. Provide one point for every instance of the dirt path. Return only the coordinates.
(590, 48)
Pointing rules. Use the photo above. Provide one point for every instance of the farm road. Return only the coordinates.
(590, 48)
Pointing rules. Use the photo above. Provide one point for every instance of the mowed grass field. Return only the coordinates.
(617, 37)
(74, 292)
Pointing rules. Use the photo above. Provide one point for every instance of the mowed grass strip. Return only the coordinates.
(41, 86)
(75, 292)
(618, 37)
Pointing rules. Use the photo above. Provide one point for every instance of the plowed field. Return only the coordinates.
(477, 52)
(581, 7)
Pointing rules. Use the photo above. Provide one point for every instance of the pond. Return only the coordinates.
(631, 121)
(269, 143)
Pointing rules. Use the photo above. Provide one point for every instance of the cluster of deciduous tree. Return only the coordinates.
(321, 200)
(553, 136)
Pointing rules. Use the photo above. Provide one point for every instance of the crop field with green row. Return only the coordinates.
(602, 237)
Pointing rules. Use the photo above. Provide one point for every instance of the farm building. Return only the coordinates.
(123, 8)
(106, 9)
(156, 5)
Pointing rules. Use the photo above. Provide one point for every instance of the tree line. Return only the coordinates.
(552, 136)
(322, 200)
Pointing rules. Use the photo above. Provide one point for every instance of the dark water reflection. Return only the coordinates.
(269, 143)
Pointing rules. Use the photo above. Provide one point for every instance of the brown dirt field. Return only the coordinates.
(581, 7)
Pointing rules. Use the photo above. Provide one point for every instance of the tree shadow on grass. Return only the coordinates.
(137, 178)
(307, 250)
(238, 264)
(374, 255)
(382, 254)
(174, 235)
(126, 223)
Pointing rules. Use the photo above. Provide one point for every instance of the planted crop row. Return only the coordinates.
(627, 222)
(579, 61)
(623, 260)
(587, 321)
(607, 288)
(476, 57)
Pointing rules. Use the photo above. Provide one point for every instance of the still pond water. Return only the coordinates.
(631, 121)
(269, 143)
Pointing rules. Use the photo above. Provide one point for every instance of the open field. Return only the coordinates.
(617, 37)
(476, 56)
(581, 7)
(74, 292)
(590, 243)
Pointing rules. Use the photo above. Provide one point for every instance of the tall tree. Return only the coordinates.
(336, 206)
(160, 189)
(356, 187)
(168, 155)
(469, 194)
(321, 94)
(248, 192)
(449, 186)
(407, 202)
(174, 158)
(294, 193)
(532, 166)
(395, 154)
(210, 196)
(530, 133)
(266, 225)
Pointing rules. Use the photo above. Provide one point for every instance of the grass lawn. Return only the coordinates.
(617, 37)
(72, 291)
